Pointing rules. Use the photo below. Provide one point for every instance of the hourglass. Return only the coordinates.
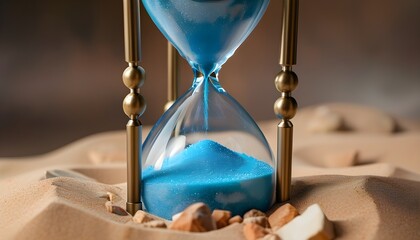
(205, 147)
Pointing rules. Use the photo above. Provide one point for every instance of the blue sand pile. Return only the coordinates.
(208, 172)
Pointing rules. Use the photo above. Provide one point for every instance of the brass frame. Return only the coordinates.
(285, 107)
(172, 94)
(133, 104)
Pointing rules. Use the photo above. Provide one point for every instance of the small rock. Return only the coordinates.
(260, 220)
(325, 120)
(142, 217)
(270, 236)
(111, 196)
(155, 224)
(195, 218)
(221, 217)
(110, 207)
(344, 158)
(176, 216)
(282, 215)
(254, 213)
(312, 224)
(254, 231)
(235, 219)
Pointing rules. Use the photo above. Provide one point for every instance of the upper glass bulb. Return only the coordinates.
(206, 32)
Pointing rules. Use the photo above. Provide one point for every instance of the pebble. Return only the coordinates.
(254, 213)
(235, 219)
(270, 236)
(254, 231)
(260, 220)
(155, 224)
(283, 215)
(111, 196)
(176, 216)
(110, 207)
(142, 217)
(221, 217)
(195, 218)
(312, 224)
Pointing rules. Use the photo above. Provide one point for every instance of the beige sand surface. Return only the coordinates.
(375, 197)
(68, 208)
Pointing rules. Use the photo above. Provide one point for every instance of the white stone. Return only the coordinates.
(312, 224)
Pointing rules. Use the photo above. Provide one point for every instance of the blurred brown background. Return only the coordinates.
(61, 65)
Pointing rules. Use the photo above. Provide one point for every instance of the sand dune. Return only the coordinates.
(373, 195)
(361, 207)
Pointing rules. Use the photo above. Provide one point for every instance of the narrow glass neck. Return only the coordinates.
(200, 79)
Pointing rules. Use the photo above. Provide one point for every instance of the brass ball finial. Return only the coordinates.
(134, 105)
(286, 81)
(285, 107)
(133, 77)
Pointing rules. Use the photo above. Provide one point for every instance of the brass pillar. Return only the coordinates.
(172, 76)
(133, 104)
(285, 107)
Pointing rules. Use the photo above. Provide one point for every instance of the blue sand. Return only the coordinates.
(206, 32)
(208, 172)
